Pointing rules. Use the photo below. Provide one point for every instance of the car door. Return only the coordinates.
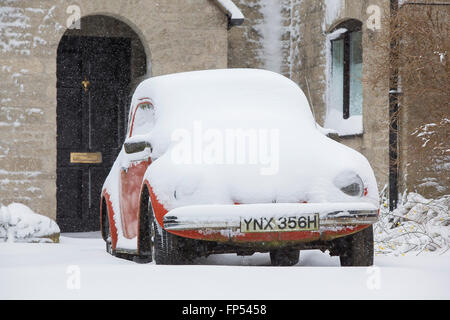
(133, 169)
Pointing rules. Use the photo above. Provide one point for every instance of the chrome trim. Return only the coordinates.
(331, 219)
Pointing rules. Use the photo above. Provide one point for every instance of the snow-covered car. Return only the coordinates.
(233, 161)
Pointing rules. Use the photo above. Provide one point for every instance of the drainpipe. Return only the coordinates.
(393, 117)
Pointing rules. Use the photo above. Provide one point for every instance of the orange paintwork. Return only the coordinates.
(130, 188)
(110, 211)
(130, 192)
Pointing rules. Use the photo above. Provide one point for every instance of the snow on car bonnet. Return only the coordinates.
(242, 136)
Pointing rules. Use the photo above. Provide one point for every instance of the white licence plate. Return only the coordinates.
(281, 224)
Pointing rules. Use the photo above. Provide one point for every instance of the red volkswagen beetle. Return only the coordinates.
(232, 161)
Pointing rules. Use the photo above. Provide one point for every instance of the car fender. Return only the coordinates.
(106, 199)
(158, 208)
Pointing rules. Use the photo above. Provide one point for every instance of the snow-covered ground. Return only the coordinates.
(79, 268)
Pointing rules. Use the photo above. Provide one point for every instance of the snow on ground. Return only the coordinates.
(38, 271)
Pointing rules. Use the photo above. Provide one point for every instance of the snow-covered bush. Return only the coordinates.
(18, 223)
(417, 225)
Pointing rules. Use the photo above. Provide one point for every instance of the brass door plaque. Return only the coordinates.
(85, 157)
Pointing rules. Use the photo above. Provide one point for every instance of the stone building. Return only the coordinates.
(45, 62)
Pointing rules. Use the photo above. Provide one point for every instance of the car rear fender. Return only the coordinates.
(158, 209)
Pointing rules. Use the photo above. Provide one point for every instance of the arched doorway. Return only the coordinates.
(97, 66)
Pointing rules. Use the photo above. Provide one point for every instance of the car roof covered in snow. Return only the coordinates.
(229, 89)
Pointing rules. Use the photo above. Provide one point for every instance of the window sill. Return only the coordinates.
(350, 127)
(353, 135)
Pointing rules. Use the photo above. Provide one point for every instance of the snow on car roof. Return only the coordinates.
(218, 88)
(223, 99)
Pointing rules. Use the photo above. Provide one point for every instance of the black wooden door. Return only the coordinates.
(92, 94)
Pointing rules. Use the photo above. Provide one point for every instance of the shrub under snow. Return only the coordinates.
(417, 225)
(19, 223)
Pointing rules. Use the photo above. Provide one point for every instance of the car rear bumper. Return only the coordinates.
(336, 219)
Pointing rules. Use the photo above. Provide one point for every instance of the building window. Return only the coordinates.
(344, 111)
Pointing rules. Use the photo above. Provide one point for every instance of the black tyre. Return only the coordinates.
(146, 231)
(171, 249)
(156, 244)
(357, 249)
(284, 257)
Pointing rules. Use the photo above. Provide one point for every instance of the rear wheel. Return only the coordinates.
(357, 249)
(284, 257)
(169, 248)
(157, 244)
(146, 231)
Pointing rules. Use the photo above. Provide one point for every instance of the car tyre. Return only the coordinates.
(284, 257)
(155, 243)
(168, 248)
(146, 231)
(357, 249)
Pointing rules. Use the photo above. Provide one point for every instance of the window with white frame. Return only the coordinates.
(344, 96)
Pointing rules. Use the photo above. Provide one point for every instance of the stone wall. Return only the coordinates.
(178, 35)
(424, 124)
